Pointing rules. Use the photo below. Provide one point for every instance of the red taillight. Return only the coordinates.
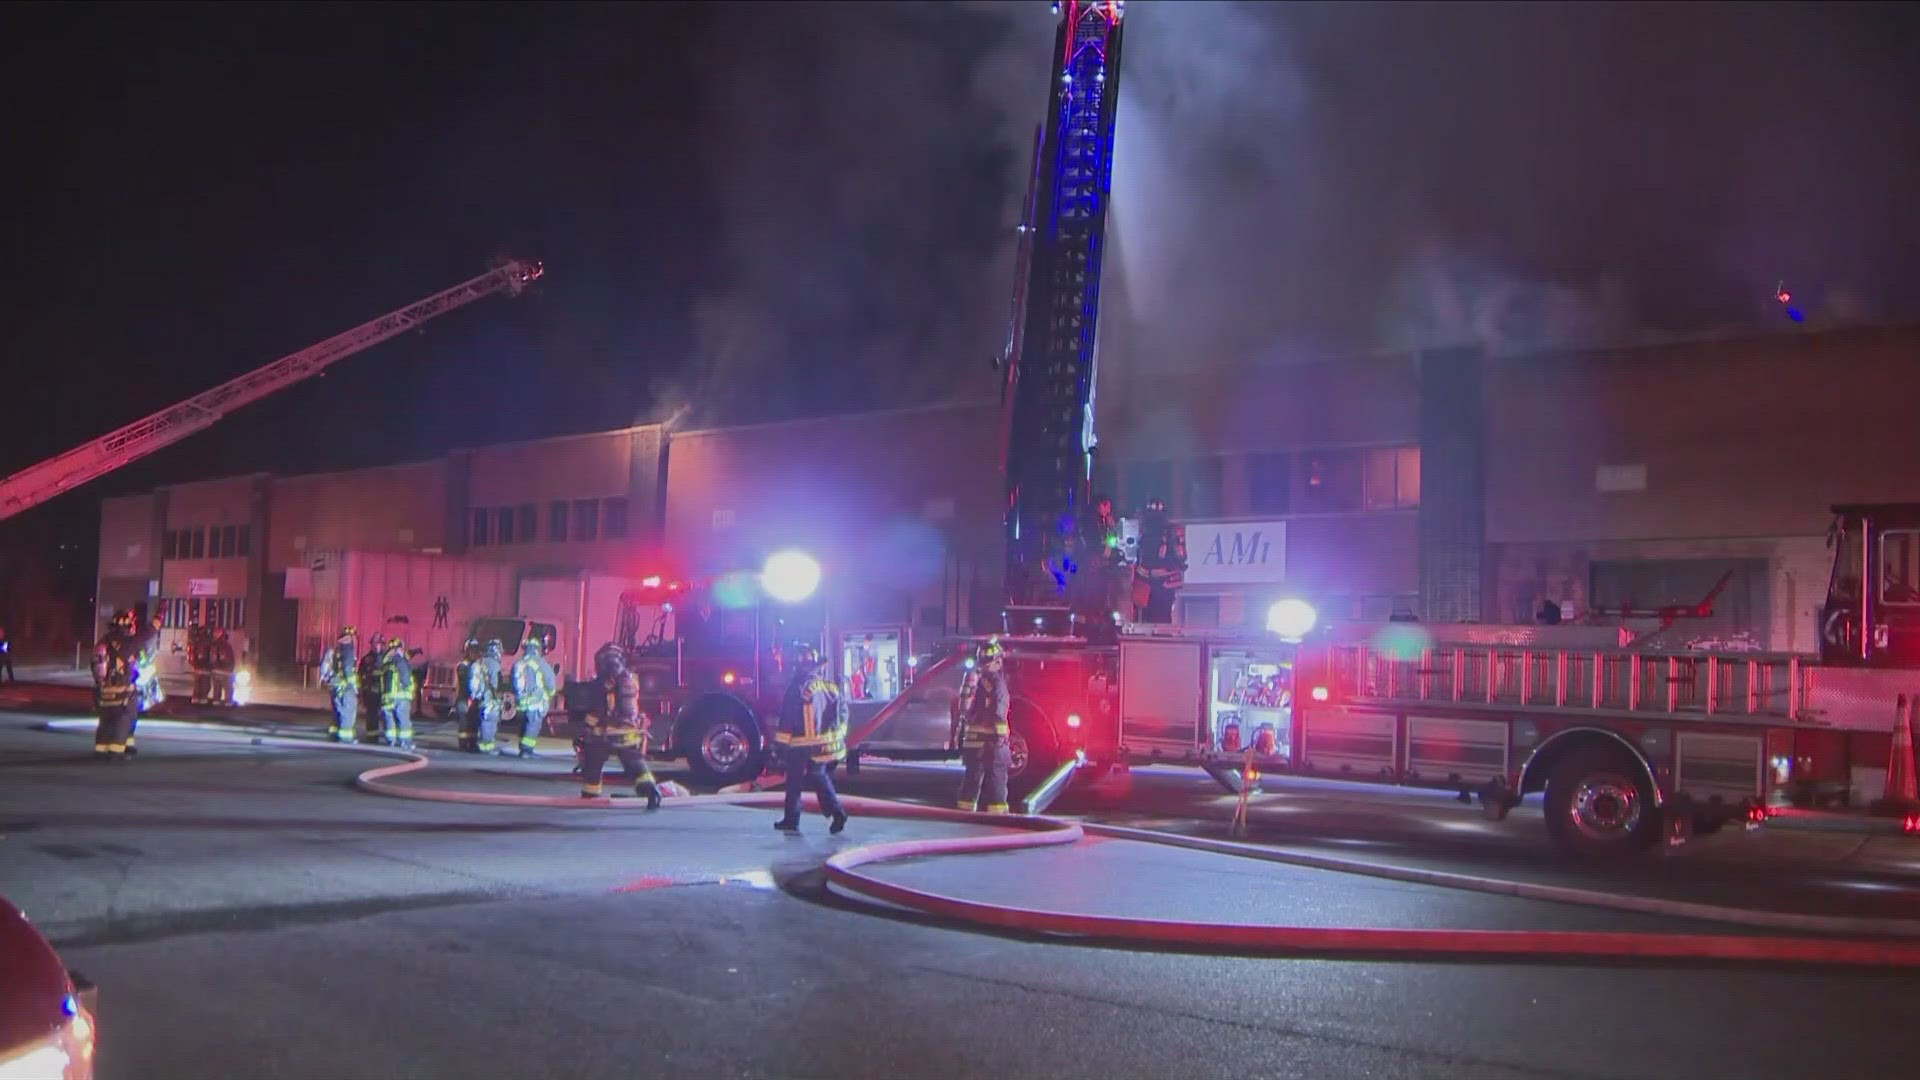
(1319, 693)
(1911, 823)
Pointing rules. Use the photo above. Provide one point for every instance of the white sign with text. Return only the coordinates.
(1237, 553)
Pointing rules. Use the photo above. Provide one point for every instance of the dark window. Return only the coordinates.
(481, 519)
(1333, 482)
(244, 546)
(1202, 612)
(199, 543)
(613, 514)
(1143, 480)
(1201, 484)
(1270, 483)
(170, 545)
(557, 519)
(529, 523)
(229, 541)
(237, 612)
(586, 519)
(1393, 478)
(504, 520)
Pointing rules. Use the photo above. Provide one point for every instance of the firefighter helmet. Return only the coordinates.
(989, 651)
(123, 618)
(806, 657)
(533, 644)
(610, 660)
(346, 632)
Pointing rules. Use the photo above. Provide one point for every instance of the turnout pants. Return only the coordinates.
(346, 713)
(986, 776)
(631, 750)
(202, 686)
(801, 768)
(114, 733)
(536, 719)
(396, 721)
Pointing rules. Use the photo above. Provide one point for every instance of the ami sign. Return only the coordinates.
(1237, 553)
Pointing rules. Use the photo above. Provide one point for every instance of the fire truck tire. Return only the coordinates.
(722, 742)
(1032, 745)
(1600, 806)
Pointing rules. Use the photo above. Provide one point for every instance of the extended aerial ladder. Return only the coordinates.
(55, 476)
(1049, 381)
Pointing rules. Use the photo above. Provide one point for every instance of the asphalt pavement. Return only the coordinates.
(248, 913)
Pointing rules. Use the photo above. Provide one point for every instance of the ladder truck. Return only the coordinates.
(1629, 747)
(90, 461)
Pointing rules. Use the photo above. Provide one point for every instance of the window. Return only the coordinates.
(226, 614)
(1899, 561)
(1200, 486)
(199, 543)
(586, 519)
(557, 522)
(243, 541)
(1269, 483)
(481, 519)
(503, 532)
(229, 542)
(529, 523)
(614, 518)
(170, 545)
(1393, 478)
(1334, 482)
(1202, 612)
(1143, 480)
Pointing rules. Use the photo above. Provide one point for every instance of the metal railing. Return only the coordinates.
(1769, 685)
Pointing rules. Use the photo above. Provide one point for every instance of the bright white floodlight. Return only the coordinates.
(790, 577)
(1291, 619)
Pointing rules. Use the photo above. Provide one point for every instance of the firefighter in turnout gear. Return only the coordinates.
(340, 674)
(396, 696)
(464, 701)
(616, 727)
(224, 664)
(371, 709)
(200, 661)
(811, 737)
(982, 715)
(114, 694)
(533, 686)
(480, 692)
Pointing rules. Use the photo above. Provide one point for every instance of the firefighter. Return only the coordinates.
(224, 662)
(465, 703)
(114, 694)
(148, 693)
(616, 726)
(533, 686)
(371, 709)
(340, 674)
(396, 696)
(200, 660)
(983, 734)
(480, 680)
(812, 738)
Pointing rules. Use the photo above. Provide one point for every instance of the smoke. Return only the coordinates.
(1382, 176)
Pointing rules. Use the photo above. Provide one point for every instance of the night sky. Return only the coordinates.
(771, 209)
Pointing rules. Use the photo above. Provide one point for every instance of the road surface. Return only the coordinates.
(248, 913)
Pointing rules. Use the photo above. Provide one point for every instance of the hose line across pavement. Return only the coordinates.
(844, 871)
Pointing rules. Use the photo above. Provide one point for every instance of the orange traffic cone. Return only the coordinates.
(1901, 793)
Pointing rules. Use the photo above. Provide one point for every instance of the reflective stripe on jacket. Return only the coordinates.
(812, 719)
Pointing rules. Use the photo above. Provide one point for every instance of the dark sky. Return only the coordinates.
(788, 207)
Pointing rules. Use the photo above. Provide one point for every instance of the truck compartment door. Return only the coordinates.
(1337, 742)
(1718, 767)
(1456, 751)
(1163, 694)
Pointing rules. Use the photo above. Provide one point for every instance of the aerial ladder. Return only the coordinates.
(55, 476)
(1048, 383)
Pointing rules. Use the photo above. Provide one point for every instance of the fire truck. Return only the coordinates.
(1629, 747)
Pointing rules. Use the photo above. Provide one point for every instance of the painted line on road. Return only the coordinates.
(1027, 832)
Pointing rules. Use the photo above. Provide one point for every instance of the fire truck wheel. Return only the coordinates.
(1600, 806)
(723, 744)
(1031, 746)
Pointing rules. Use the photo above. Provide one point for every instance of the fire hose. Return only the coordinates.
(844, 871)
